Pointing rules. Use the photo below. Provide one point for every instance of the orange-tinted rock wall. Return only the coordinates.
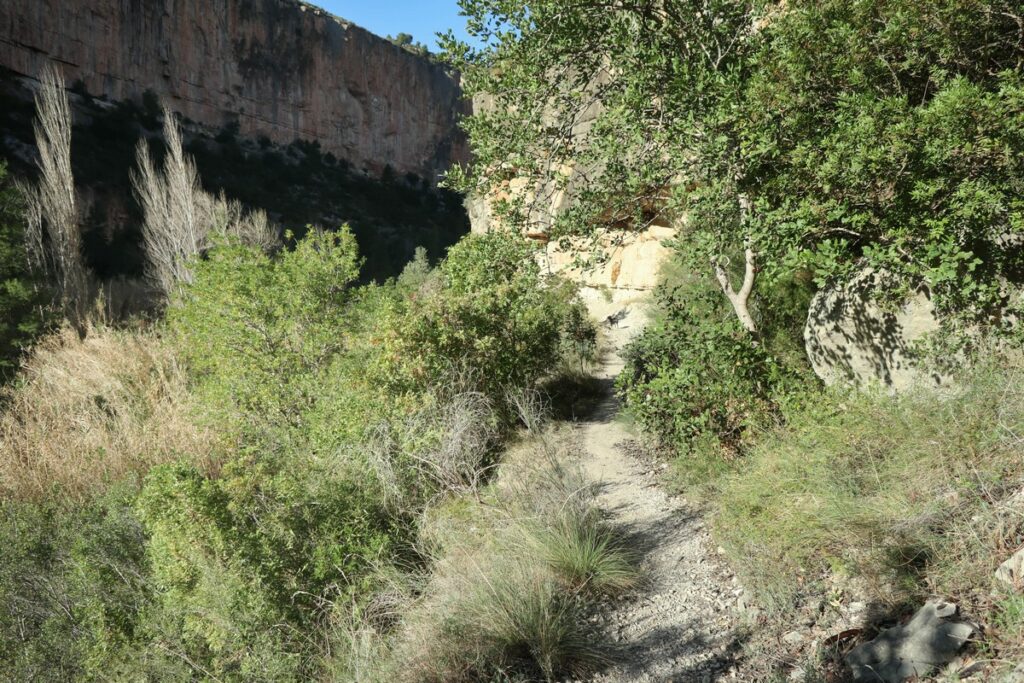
(278, 67)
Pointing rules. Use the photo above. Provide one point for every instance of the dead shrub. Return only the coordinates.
(180, 218)
(53, 211)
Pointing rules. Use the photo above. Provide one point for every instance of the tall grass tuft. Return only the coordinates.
(516, 568)
(88, 412)
(583, 553)
(180, 218)
(523, 620)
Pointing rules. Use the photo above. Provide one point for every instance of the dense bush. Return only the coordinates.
(497, 316)
(691, 377)
(243, 473)
(247, 564)
(260, 332)
(698, 383)
(894, 137)
(73, 583)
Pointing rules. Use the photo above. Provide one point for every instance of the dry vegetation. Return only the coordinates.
(53, 230)
(515, 569)
(180, 218)
(89, 412)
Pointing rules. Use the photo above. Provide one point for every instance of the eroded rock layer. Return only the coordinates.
(278, 68)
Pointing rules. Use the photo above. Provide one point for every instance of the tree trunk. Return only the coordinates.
(740, 299)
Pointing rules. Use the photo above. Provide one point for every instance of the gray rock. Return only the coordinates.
(793, 638)
(1011, 572)
(849, 338)
(932, 638)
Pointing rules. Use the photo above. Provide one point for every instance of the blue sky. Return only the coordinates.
(420, 18)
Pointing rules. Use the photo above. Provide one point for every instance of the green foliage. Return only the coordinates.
(495, 315)
(824, 136)
(349, 409)
(693, 376)
(73, 582)
(894, 139)
(861, 133)
(260, 332)
(407, 42)
(907, 494)
(699, 383)
(22, 302)
(247, 562)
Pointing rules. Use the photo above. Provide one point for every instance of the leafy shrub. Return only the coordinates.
(260, 332)
(698, 382)
(495, 314)
(247, 563)
(73, 583)
(304, 483)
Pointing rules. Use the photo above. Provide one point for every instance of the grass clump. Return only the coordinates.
(85, 413)
(584, 554)
(510, 593)
(910, 496)
(512, 621)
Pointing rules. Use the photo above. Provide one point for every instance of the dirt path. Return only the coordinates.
(680, 623)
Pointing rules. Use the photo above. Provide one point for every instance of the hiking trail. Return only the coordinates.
(680, 623)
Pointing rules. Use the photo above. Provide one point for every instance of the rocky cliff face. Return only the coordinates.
(278, 68)
(624, 263)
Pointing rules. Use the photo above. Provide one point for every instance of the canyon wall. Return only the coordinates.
(278, 68)
(621, 263)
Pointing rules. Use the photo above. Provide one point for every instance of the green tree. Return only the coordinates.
(22, 300)
(402, 40)
(831, 135)
(793, 144)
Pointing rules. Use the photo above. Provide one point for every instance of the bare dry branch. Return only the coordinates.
(179, 217)
(54, 233)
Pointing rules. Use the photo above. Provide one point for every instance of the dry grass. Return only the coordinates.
(86, 413)
(516, 570)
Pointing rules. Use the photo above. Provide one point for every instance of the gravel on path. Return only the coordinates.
(681, 622)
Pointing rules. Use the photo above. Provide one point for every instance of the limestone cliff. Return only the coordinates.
(278, 68)
(622, 262)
